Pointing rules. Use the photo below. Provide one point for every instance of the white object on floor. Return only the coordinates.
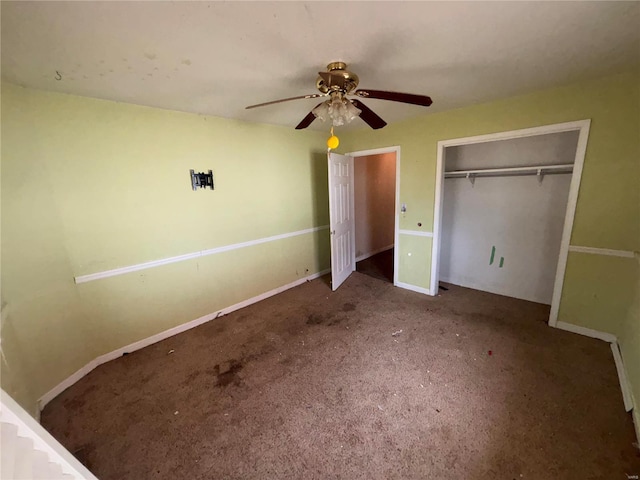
(30, 452)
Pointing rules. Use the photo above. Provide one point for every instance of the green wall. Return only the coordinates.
(598, 291)
(91, 185)
(630, 344)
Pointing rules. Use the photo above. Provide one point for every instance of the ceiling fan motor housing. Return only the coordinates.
(337, 79)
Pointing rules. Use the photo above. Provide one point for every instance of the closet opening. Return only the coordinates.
(505, 205)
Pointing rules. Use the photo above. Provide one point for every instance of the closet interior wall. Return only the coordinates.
(502, 233)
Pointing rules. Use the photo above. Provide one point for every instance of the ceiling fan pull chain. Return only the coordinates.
(332, 141)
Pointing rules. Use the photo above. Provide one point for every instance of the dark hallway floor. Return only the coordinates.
(312, 384)
(378, 266)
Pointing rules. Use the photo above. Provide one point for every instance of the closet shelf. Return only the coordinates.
(496, 172)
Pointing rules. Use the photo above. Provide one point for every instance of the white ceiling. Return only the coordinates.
(217, 57)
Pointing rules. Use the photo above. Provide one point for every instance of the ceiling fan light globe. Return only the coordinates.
(321, 111)
(352, 111)
(338, 108)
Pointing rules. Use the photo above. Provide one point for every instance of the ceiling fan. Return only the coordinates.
(336, 83)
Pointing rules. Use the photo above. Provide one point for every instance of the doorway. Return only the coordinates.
(376, 200)
(374, 204)
(503, 229)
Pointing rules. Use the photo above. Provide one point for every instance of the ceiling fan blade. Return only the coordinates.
(369, 116)
(331, 80)
(422, 100)
(313, 95)
(308, 120)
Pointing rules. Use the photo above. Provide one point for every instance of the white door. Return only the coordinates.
(341, 218)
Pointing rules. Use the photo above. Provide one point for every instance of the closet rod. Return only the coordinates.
(533, 169)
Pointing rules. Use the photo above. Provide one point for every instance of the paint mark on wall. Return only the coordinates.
(493, 254)
(501, 261)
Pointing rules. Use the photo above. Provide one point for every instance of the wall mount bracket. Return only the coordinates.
(201, 180)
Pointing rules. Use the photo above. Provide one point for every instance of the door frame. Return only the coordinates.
(581, 126)
(396, 224)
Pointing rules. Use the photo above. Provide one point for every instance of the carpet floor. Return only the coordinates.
(368, 382)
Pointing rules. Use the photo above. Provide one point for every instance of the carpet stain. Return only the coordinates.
(191, 377)
(328, 319)
(315, 319)
(227, 373)
(262, 350)
(348, 307)
(287, 361)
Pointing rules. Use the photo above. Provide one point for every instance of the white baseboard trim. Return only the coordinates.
(188, 256)
(66, 383)
(622, 377)
(602, 251)
(413, 288)
(62, 386)
(364, 256)
(569, 327)
(627, 392)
